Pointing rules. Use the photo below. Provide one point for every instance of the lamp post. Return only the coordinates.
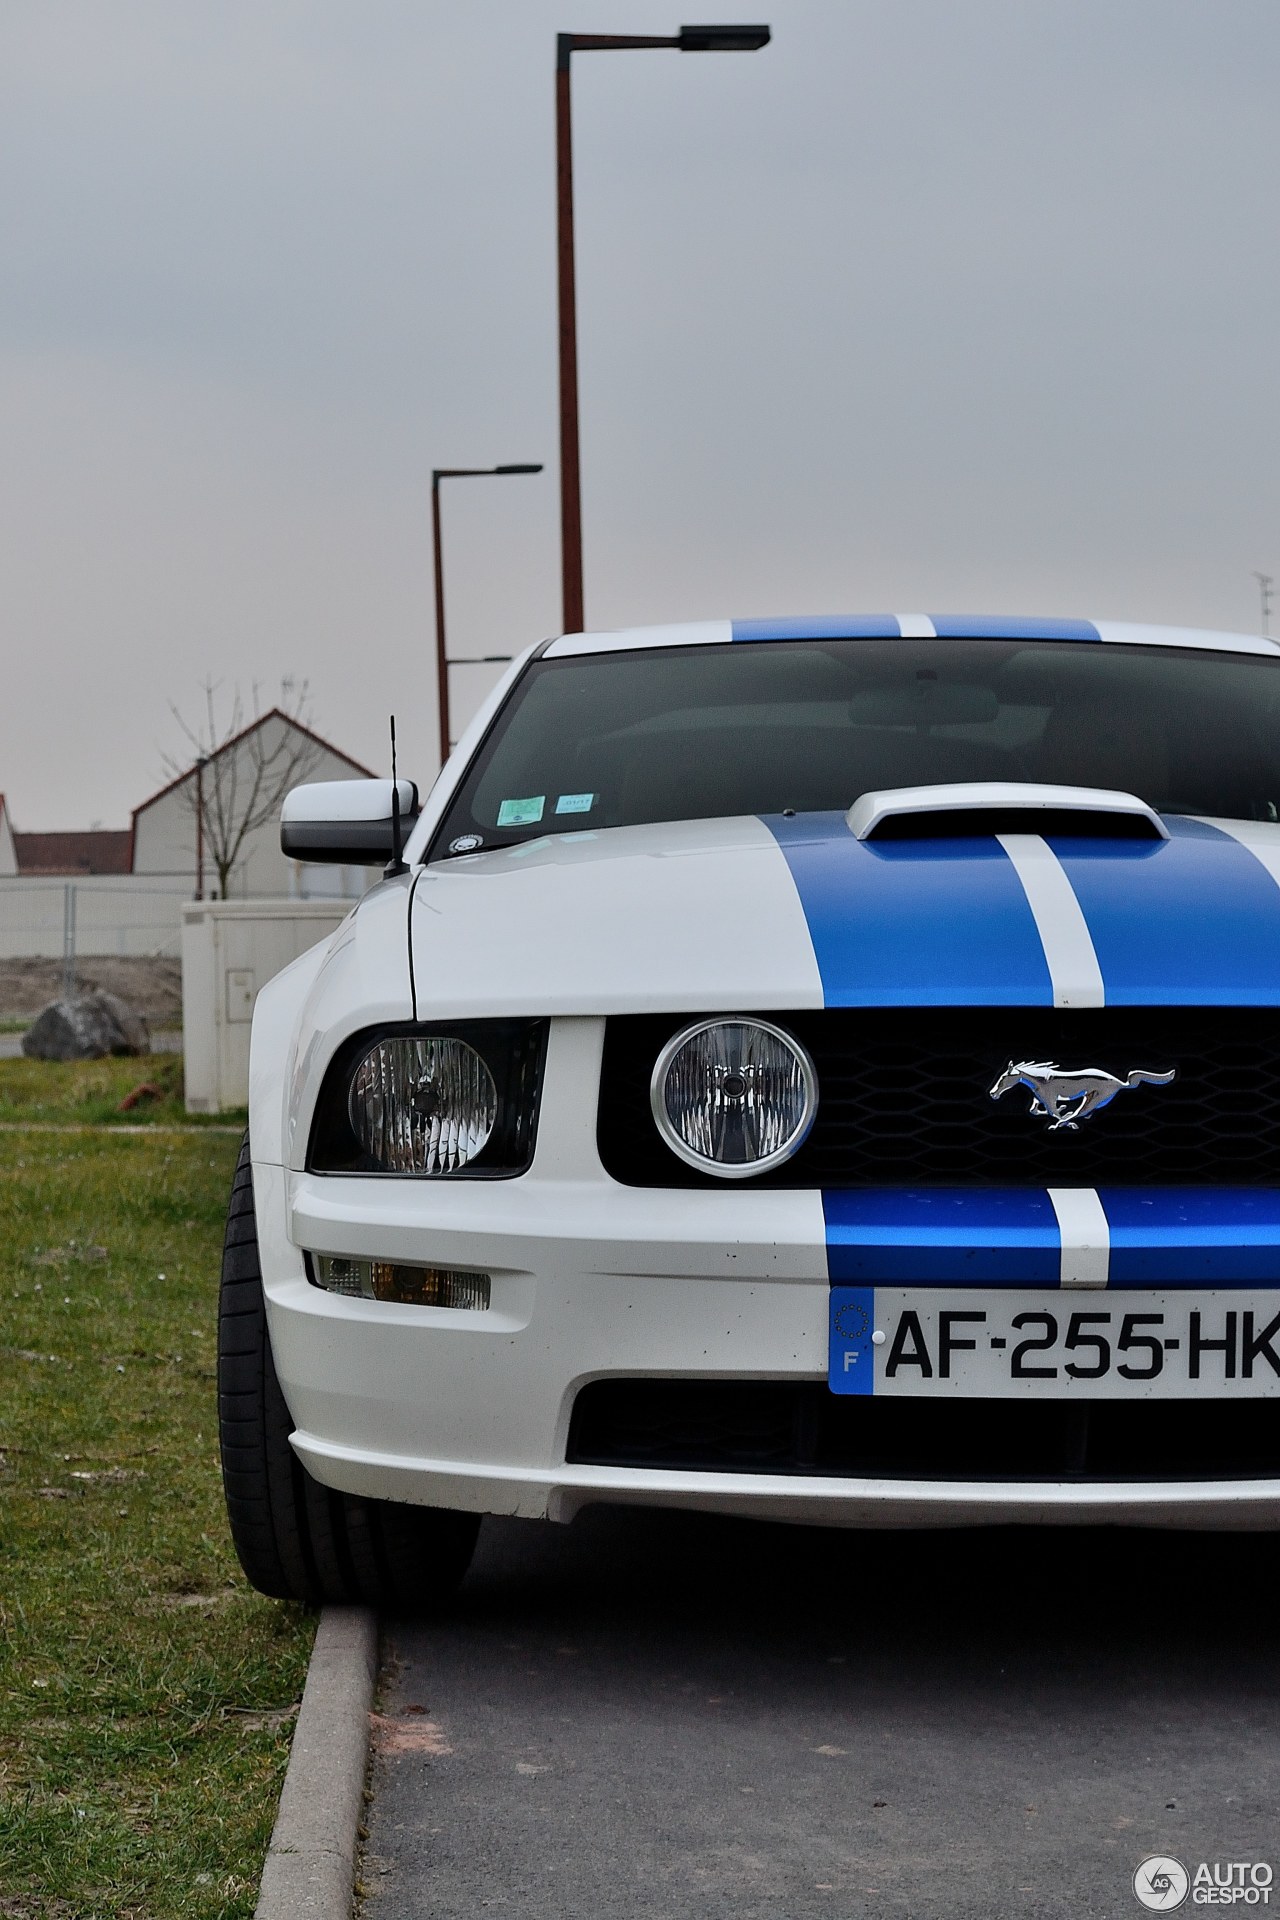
(442, 659)
(713, 39)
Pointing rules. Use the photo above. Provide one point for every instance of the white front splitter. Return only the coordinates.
(822, 1501)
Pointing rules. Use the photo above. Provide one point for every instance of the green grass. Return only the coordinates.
(146, 1693)
(91, 1093)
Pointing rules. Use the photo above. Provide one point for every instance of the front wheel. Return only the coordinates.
(297, 1539)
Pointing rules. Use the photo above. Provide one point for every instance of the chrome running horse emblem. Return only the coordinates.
(1064, 1099)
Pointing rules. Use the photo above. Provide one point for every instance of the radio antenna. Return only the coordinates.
(395, 865)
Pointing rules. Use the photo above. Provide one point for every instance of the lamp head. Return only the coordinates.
(721, 39)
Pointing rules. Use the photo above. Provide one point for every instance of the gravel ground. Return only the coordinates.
(162, 1041)
(154, 986)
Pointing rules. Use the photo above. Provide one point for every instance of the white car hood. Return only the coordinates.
(713, 915)
(697, 915)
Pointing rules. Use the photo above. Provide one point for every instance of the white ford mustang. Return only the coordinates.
(819, 1069)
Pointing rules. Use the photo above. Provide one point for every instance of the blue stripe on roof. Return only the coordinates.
(1004, 626)
(914, 923)
(851, 626)
(1193, 920)
(884, 626)
(1193, 1236)
(943, 1236)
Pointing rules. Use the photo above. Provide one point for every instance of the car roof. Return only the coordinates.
(906, 626)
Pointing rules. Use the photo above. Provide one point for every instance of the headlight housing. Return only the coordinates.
(436, 1103)
(422, 1103)
(733, 1097)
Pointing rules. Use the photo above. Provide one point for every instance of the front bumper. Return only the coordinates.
(596, 1281)
(472, 1410)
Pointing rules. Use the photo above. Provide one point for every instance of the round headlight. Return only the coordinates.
(422, 1104)
(734, 1097)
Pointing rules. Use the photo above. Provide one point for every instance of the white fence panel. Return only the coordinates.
(47, 916)
(120, 914)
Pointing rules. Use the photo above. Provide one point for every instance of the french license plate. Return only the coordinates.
(1032, 1344)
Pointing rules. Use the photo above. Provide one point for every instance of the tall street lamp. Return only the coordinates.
(443, 663)
(714, 39)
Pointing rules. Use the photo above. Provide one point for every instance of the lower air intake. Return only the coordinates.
(734, 1426)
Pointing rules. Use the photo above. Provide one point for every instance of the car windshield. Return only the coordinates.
(689, 733)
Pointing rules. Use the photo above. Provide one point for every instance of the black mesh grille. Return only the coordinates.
(751, 1426)
(903, 1099)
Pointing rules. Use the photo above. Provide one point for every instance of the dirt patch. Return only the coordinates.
(405, 1734)
(152, 984)
(266, 1722)
(34, 1907)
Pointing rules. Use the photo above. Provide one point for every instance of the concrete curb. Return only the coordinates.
(310, 1867)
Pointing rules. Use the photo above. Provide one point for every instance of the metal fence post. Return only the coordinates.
(68, 940)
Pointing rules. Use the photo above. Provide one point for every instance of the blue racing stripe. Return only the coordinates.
(850, 626)
(1003, 626)
(943, 1236)
(1193, 1236)
(913, 923)
(1189, 921)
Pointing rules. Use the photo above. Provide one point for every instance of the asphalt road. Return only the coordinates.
(650, 1715)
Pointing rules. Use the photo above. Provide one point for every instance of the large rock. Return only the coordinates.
(86, 1027)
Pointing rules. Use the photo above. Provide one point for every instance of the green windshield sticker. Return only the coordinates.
(575, 803)
(521, 813)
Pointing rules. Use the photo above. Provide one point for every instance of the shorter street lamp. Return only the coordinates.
(443, 663)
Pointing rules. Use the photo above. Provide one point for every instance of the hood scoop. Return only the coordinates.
(980, 807)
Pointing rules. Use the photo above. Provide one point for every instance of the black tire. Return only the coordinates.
(297, 1539)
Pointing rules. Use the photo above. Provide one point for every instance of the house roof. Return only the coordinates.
(99, 851)
(275, 713)
(111, 850)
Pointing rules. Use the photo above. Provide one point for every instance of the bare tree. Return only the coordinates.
(242, 770)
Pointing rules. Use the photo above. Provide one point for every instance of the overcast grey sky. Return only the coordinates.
(931, 305)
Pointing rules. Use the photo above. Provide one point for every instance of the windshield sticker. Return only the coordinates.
(467, 843)
(575, 803)
(521, 813)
